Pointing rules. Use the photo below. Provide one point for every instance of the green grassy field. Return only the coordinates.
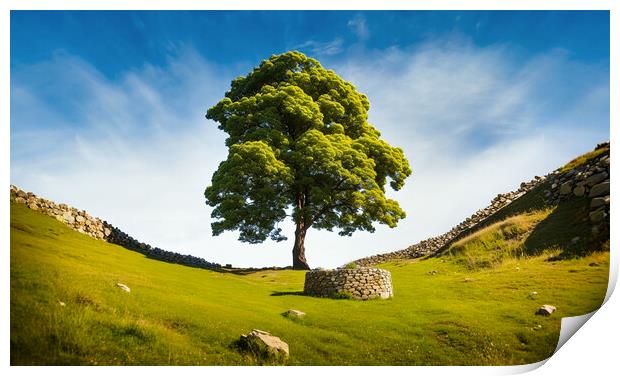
(475, 309)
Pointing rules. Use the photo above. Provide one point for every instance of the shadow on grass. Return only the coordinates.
(567, 227)
(285, 293)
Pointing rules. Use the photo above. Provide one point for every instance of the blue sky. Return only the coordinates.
(107, 110)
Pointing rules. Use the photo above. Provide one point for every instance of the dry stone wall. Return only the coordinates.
(97, 228)
(360, 283)
(590, 180)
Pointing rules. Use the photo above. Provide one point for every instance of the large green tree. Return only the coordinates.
(300, 145)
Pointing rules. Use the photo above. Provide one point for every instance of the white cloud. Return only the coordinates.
(138, 151)
(333, 47)
(359, 27)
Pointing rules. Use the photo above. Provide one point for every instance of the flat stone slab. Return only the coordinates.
(294, 313)
(546, 310)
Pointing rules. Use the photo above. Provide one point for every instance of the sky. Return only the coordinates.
(107, 111)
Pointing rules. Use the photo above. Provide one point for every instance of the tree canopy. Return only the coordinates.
(300, 144)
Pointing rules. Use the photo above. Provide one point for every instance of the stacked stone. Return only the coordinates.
(361, 283)
(83, 222)
(588, 180)
(76, 219)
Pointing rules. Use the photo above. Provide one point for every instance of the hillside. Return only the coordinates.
(473, 304)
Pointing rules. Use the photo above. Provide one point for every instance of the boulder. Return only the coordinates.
(263, 345)
(596, 178)
(566, 188)
(600, 189)
(599, 201)
(597, 215)
(579, 191)
(546, 310)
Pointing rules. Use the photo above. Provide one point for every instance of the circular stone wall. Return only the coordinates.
(360, 283)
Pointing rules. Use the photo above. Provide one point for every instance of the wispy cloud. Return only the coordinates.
(359, 27)
(138, 151)
(332, 47)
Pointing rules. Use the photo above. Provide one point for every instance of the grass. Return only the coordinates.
(177, 315)
(583, 159)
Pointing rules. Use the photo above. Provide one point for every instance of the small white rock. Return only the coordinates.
(123, 287)
(61, 303)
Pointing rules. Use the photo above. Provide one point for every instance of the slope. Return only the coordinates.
(444, 310)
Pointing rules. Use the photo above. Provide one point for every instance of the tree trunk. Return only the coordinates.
(299, 251)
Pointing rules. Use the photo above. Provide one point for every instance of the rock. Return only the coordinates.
(546, 310)
(575, 240)
(599, 201)
(80, 219)
(533, 295)
(294, 313)
(263, 345)
(61, 303)
(123, 287)
(594, 264)
(597, 216)
(600, 189)
(566, 188)
(596, 178)
(468, 279)
(432, 272)
(68, 217)
(579, 191)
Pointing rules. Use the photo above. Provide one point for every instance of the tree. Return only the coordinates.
(300, 146)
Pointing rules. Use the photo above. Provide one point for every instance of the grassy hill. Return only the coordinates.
(471, 306)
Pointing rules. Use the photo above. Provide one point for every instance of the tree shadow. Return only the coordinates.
(285, 293)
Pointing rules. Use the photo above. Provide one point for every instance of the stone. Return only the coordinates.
(599, 201)
(566, 188)
(61, 303)
(80, 219)
(575, 240)
(579, 191)
(533, 295)
(597, 216)
(600, 189)
(546, 310)
(68, 217)
(294, 313)
(123, 287)
(468, 279)
(596, 178)
(263, 345)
